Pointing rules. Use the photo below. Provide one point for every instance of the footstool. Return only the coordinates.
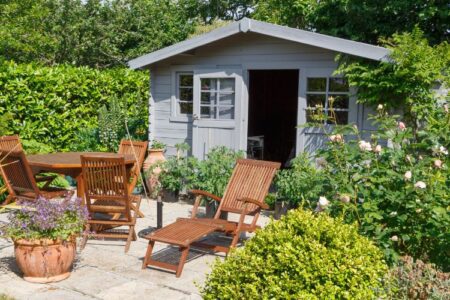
(181, 233)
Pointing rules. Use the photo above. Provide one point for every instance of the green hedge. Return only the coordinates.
(302, 256)
(53, 104)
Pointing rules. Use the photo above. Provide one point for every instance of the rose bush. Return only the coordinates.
(395, 185)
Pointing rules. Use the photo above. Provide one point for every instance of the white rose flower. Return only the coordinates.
(336, 138)
(408, 175)
(420, 185)
(438, 163)
(443, 150)
(394, 238)
(378, 149)
(365, 146)
(380, 107)
(323, 202)
(345, 198)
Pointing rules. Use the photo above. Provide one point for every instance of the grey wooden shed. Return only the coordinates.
(248, 86)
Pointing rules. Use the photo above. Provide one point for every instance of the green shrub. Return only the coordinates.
(213, 173)
(53, 104)
(299, 182)
(302, 256)
(182, 172)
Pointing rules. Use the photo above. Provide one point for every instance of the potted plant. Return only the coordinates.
(155, 154)
(44, 235)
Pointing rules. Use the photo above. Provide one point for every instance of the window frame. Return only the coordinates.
(177, 99)
(216, 91)
(327, 94)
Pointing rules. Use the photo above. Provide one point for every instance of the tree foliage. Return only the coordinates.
(408, 78)
(360, 20)
(94, 32)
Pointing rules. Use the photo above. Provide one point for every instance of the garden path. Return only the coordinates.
(104, 271)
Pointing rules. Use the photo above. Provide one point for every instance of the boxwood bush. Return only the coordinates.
(302, 256)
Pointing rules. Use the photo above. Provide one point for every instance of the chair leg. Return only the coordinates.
(129, 239)
(184, 254)
(134, 235)
(85, 237)
(148, 254)
(235, 239)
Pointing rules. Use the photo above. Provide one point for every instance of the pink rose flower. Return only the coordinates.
(401, 126)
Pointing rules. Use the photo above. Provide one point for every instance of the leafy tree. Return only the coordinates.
(93, 32)
(361, 20)
(408, 79)
(210, 10)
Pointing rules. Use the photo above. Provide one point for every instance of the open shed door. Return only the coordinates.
(217, 110)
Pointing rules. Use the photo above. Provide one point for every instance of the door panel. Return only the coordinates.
(217, 115)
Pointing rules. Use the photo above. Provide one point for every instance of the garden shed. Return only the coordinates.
(248, 86)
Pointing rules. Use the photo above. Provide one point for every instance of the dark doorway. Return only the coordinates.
(272, 120)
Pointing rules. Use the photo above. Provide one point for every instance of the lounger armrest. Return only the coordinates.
(206, 194)
(253, 201)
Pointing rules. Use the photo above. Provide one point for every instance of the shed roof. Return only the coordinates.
(283, 32)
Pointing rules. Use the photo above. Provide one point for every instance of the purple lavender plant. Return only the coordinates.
(50, 219)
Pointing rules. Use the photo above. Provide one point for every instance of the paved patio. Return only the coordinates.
(104, 271)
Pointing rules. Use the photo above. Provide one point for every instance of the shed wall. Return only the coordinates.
(244, 51)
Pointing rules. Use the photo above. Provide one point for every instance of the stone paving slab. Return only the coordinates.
(104, 271)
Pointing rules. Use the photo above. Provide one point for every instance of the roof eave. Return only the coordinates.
(248, 25)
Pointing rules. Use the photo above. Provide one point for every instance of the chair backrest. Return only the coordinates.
(134, 148)
(251, 179)
(10, 142)
(17, 174)
(106, 185)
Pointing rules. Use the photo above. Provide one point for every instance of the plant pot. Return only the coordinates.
(168, 196)
(210, 208)
(154, 156)
(281, 209)
(43, 261)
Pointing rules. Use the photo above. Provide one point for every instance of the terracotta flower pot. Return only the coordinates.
(43, 261)
(154, 156)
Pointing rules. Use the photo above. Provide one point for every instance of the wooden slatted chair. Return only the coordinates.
(139, 149)
(244, 195)
(134, 148)
(20, 181)
(11, 143)
(108, 199)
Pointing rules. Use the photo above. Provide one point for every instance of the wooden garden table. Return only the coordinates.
(69, 163)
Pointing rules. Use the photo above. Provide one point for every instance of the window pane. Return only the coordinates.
(317, 84)
(186, 80)
(185, 108)
(338, 117)
(208, 84)
(207, 112)
(226, 99)
(226, 113)
(338, 101)
(338, 85)
(186, 94)
(313, 100)
(227, 85)
(313, 117)
(208, 98)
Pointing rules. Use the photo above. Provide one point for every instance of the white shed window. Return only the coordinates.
(185, 93)
(331, 93)
(217, 98)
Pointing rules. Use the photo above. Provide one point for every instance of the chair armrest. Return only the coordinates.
(206, 194)
(253, 201)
